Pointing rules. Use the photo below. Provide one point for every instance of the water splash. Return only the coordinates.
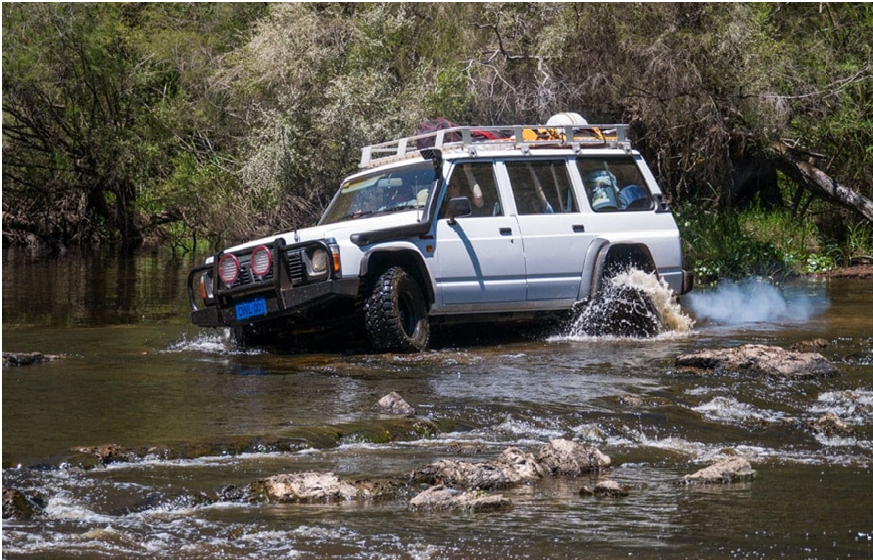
(672, 316)
(664, 315)
(752, 301)
(213, 342)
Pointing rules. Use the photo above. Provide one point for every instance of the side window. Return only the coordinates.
(614, 184)
(541, 186)
(477, 182)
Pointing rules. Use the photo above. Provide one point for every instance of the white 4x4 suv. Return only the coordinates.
(459, 225)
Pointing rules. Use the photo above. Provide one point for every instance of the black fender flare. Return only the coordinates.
(379, 259)
(604, 258)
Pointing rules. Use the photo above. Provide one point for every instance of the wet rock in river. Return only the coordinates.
(813, 345)
(316, 488)
(26, 358)
(635, 401)
(465, 448)
(828, 424)
(568, 458)
(512, 467)
(443, 498)
(760, 360)
(605, 489)
(723, 472)
(392, 403)
(632, 401)
(89, 457)
(18, 505)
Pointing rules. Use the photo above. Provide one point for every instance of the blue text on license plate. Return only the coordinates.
(251, 308)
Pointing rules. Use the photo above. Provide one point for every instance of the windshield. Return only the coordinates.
(389, 191)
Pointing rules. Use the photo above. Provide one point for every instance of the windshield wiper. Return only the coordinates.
(355, 215)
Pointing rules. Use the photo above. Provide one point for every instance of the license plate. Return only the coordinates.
(251, 308)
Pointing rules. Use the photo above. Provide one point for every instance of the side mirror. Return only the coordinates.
(458, 208)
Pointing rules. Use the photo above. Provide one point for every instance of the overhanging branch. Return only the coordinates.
(792, 163)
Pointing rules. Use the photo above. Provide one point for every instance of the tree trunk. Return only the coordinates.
(795, 166)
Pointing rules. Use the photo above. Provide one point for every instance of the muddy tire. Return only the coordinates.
(621, 311)
(395, 313)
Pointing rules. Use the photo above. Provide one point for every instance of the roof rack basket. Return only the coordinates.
(516, 137)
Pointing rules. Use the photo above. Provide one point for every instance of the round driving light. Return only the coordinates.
(261, 260)
(319, 261)
(228, 269)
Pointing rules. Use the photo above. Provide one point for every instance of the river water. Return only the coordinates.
(136, 374)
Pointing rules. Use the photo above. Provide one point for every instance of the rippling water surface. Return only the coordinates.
(137, 375)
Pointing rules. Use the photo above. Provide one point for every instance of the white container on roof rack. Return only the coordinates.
(566, 119)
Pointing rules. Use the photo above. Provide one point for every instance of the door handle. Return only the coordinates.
(579, 228)
(505, 231)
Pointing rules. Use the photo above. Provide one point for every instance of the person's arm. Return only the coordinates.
(538, 189)
(478, 199)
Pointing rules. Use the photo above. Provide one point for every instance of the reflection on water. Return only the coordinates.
(91, 290)
(137, 374)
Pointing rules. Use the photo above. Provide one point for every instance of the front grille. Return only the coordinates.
(246, 276)
(295, 266)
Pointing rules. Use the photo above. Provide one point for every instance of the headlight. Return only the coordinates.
(318, 261)
(228, 269)
(261, 260)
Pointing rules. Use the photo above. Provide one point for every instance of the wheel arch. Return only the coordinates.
(379, 259)
(605, 259)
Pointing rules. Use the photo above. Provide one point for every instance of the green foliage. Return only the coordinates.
(96, 109)
(752, 242)
(219, 121)
(717, 246)
(856, 247)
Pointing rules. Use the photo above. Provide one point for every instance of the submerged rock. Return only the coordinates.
(568, 458)
(443, 498)
(392, 403)
(18, 505)
(316, 488)
(27, 358)
(605, 489)
(514, 466)
(760, 360)
(723, 472)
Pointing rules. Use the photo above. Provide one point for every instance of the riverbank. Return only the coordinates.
(861, 271)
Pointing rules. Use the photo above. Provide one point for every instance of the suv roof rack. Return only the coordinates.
(516, 137)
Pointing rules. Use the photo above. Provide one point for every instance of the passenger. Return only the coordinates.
(544, 206)
(477, 199)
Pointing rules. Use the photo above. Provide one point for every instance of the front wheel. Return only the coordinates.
(395, 313)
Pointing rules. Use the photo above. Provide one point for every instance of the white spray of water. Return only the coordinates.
(751, 301)
(216, 342)
(673, 321)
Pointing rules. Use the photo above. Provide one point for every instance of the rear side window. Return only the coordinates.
(541, 187)
(614, 184)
